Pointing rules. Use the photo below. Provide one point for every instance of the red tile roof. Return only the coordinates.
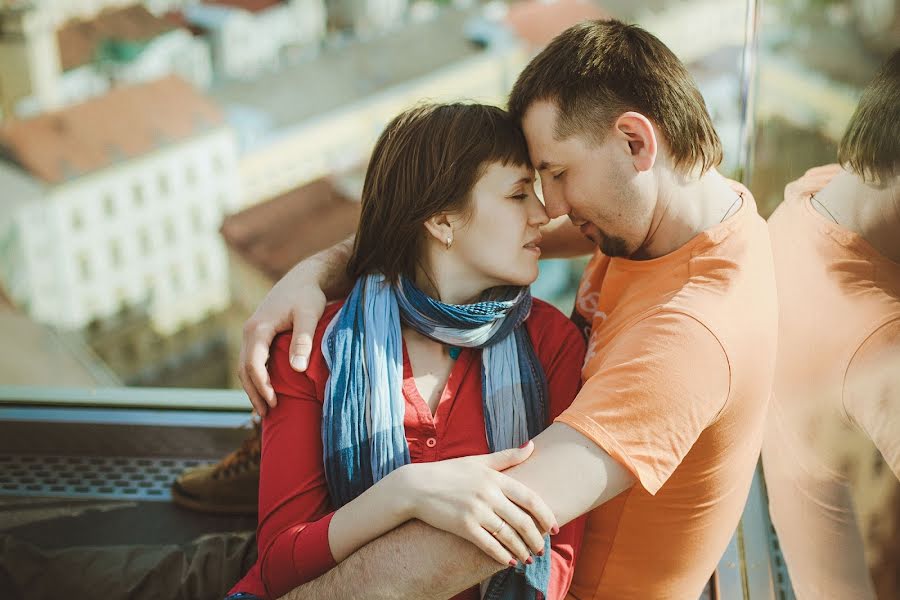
(274, 235)
(80, 40)
(253, 6)
(126, 122)
(539, 21)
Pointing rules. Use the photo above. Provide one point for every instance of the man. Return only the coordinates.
(679, 303)
(837, 256)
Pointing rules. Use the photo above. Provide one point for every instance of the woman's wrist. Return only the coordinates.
(402, 483)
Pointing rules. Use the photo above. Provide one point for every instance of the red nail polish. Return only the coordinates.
(512, 562)
(555, 530)
(523, 445)
(541, 553)
(529, 560)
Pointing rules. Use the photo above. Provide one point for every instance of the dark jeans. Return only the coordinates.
(204, 569)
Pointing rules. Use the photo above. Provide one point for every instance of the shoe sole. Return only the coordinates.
(184, 500)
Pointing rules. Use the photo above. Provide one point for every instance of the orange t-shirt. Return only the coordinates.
(839, 327)
(677, 381)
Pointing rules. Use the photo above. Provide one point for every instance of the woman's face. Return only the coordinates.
(496, 242)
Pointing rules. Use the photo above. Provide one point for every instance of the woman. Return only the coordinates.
(439, 352)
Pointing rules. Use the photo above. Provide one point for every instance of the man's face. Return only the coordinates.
(596, 185)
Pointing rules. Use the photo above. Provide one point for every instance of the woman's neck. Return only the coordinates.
(449, 285)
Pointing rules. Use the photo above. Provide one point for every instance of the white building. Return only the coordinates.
(250, 36)
(81, 59)
(126, 197)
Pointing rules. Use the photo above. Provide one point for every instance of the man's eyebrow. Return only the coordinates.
(543, 166)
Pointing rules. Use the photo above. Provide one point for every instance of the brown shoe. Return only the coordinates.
(230, 487)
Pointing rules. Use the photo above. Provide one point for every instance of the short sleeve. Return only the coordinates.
(872, 391)
(650, 394)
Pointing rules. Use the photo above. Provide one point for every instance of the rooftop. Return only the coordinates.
(125, 123)
(81, 41)
(275, 235)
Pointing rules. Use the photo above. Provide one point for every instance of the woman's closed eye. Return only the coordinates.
(558, 176)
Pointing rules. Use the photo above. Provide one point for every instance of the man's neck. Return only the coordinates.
(685, 208)
(871, 211)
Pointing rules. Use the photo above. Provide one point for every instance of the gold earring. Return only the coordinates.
(449, 242)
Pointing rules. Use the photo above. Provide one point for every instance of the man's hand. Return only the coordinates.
(297, 301)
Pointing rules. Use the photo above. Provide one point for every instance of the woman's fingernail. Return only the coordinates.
(512, 562)
(523, 445)
(529, 560)
(540, 552)
(555, 530)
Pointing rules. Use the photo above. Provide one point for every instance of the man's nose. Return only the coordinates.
(555, 205)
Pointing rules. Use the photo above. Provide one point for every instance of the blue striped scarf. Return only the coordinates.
(362, 417)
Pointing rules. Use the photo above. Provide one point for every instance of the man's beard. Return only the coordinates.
(613, 247)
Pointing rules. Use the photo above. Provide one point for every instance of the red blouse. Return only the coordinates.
(294, 507)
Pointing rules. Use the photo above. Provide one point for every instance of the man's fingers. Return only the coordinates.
(259, 405)
(257, 341)
(305, 323)
(529, 501)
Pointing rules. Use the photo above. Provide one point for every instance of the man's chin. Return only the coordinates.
(614, 247)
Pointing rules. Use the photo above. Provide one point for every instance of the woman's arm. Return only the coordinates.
(301, 537)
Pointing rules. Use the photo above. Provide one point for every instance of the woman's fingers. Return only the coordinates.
(523, 496)
(479, 536)
(520, 528)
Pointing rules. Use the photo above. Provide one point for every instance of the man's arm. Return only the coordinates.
(561, 239)
(296, 302)
(416, 561)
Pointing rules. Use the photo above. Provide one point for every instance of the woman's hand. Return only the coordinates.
(471, 498)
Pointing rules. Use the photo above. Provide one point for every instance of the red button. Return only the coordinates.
(431, 442)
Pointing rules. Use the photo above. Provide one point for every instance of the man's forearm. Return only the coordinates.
(413, 562)
(329, 269)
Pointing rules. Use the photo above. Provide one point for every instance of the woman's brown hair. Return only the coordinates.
(426, 162)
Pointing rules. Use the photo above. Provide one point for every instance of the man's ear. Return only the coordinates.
(640, 135)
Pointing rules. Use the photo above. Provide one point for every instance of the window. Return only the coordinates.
(163, 184)
(202, 269)
(197, 214)
(169, 230)
(115, 253)
(84, 266)
(144, 241)
(109, 206)
(191, 176)
(139, 197)
(77, 220)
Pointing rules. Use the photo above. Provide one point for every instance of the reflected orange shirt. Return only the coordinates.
(840, 322)
(677, 381)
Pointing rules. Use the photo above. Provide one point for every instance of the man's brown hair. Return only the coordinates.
(871, 145)
(597, 70)
(426, 161)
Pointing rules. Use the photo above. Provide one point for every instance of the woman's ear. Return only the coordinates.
(440, 228)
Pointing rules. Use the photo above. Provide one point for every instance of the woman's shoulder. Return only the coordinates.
(546, 316)
(281, 345)
(550, 329)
